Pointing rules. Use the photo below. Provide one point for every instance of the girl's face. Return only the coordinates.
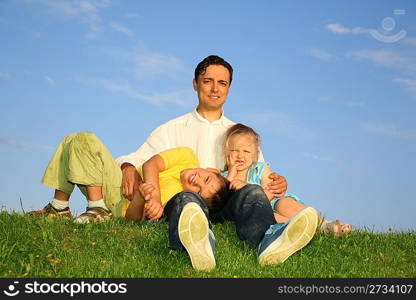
(242, 151)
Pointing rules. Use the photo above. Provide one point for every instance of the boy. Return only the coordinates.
(82, 159)
(170, 172)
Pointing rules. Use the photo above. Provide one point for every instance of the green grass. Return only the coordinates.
(47, 247)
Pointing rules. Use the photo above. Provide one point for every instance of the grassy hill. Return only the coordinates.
(46, 247)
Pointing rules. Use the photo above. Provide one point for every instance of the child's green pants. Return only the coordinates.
(82, 159)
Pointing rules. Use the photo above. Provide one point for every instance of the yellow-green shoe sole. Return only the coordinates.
(193, 231)
(296, 235)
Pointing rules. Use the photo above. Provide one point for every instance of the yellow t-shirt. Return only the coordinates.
(175, 160)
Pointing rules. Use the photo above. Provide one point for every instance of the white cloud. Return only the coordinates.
(337, 28)
(404, 62)
(22, 145)
(389, 130)
(328, 160)
(354, 103)
(325, 99)
(283, 124)
(144, 63)
(340, 29)
(131, 15)
(183, 98)
(410, 84)
(349, 103)
(322, 54)
(85, 11)
(49, 79)
(4, 75)
(120, 28)
(79, 8)
(331, 161)
(384, 35)
(386, 58)
(410, 40)
(156, 62)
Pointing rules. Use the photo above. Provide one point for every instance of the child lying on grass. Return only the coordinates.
(170, 172)
(82, 159)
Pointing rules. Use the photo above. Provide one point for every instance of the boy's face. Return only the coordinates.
(242, 151)
(201, 181)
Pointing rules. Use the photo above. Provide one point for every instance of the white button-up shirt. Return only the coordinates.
(191, 130)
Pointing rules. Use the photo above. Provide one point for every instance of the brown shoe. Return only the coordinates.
(49, 210)
(94, 215)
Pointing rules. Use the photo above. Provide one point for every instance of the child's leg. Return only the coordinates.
(60, 200)
(94, 193)
(56, 177)
(135, 210)
(95, 197)
(62, 196)
(96, 211)
(334, 227)
(83, 159)
(288, 207)
(280, 218)
(58, 207)
(92, 167)
(56, 173)
(187, 214)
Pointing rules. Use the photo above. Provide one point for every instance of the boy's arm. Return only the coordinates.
(150, 188)
(265, 180)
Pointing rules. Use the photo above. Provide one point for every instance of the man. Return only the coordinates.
(203, 131)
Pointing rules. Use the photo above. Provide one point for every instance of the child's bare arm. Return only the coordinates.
(232, 169)
(232, 173)
(265, 180)
(237, 184)
(150, 188)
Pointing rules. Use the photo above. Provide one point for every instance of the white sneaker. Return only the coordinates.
(196, 237)
(284, 239)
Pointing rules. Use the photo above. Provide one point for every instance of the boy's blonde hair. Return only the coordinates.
(240, 129)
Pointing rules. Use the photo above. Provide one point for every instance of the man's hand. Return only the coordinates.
(131, 180)
(278, 185)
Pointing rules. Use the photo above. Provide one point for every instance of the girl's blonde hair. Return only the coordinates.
(239, 129)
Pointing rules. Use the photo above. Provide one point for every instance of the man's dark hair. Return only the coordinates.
(218, 200)
(212, 60)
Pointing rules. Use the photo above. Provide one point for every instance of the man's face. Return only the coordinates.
(201, 181)
(212, 87)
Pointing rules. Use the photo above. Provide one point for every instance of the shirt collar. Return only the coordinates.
(222, 120)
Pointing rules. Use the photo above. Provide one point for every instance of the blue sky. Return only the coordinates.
(329, 85)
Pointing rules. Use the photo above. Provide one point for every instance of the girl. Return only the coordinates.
(241, 150)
